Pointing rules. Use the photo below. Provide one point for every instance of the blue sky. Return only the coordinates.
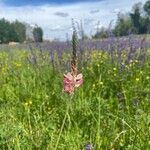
(55, 16)
(41, 2)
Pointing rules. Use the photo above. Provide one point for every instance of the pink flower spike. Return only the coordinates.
(70, 82)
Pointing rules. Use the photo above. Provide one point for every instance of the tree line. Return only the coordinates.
(137, 21)
(16, 32)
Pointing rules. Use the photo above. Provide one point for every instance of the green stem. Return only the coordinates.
(63, 123)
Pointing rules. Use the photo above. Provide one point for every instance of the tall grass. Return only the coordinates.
(110, 110)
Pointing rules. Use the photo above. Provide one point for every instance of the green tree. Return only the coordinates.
(13, 36)
(38, 34)
(20, 30)
(136, 16)
(147, 7)
(101, 33)
(144, 24)
(15, 31)
(123, 25)
(7, 32)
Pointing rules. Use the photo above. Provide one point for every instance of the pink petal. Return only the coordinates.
(79, 76)
(68, 76)
(70, 82)
(68, 88)
(78, 83)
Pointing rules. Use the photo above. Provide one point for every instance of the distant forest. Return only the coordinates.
(135, 22)
(19, 32)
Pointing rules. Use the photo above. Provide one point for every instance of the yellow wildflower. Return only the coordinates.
(147, 78)
(30, 102)
(114, 69)
(101, 83)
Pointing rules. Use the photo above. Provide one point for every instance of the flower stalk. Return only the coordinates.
(72, 79)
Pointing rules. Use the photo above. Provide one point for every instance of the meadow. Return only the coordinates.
(110, 110)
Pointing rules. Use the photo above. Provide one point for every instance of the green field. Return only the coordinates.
(111, 110)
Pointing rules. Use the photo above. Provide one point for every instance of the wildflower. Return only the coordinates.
(101, 83)
(141, 72)
(26, 104)
(98, 65)
(124, 55)
(93, 86)
(100, 54)
(126, 66)
(130, 65)
(114, 69)
(18, 65)
(147, 77)
(30, 102)
(71, 82)
(137, 79)
(89, 147)
(131, 61)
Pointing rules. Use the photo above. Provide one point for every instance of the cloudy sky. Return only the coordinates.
(55, 16)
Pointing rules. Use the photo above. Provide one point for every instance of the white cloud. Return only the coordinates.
(94, 11)
(55, 26)
(61, 14)
(116, 10)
